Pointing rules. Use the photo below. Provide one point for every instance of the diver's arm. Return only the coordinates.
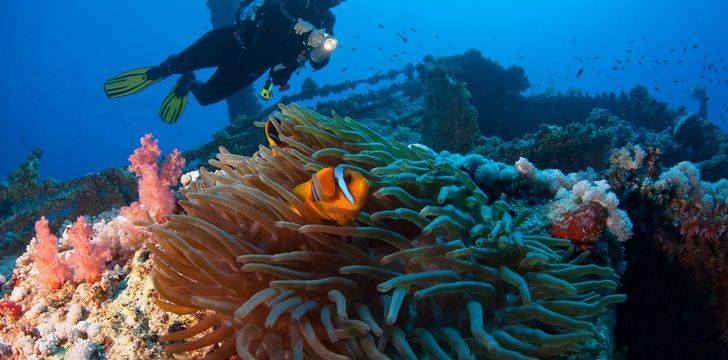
(329, 20)
(320, 65)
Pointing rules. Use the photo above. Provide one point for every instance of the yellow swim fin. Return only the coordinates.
(131, 82)
(174, 104)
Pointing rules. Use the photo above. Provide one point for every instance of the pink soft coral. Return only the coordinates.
(53, 272)
(154, 194)
(88, 260)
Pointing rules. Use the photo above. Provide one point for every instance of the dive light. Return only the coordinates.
(322, 44)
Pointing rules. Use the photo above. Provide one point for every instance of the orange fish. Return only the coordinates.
(334, 193)
(271, 133)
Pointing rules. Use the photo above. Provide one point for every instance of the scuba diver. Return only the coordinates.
(278, 36)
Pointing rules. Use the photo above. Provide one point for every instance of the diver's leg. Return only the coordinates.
(218, 47)
(225, 82)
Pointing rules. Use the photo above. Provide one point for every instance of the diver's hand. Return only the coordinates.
(302, 27)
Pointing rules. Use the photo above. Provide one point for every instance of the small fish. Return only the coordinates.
(357, 36)
(695, 46)
(628, 51)
(271, 133)
(381, 26)
(353, 49)
(380, 48)
(344, 69)
(619, 61)
(371, 68)
(672, 51)
(656, 88)
(413, 29)
(644, 37)
(685, 49)
(573, 41)
(579, 72)
(437, 36)
(334, 193)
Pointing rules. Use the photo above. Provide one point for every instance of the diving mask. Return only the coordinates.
(322, 45)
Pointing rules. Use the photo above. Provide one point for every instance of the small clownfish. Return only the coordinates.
(334, 193)
(271, 133)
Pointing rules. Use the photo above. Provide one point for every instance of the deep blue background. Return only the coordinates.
(55, 57)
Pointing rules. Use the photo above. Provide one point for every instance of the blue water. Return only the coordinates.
(56, 56)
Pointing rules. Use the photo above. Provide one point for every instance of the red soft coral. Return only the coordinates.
(154, 194)
(583, 226)
(88, 260)
(53, 272)
(11, 308)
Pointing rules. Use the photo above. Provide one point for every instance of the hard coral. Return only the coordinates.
(428, 269)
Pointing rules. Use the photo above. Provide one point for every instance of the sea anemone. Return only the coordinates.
(428, 269)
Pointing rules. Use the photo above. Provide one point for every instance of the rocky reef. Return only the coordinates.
(624, 188)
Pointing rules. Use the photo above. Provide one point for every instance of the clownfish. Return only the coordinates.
(271, 133)
(334, 193)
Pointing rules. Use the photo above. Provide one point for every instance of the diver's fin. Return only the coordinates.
(173, 105)
(130, 82)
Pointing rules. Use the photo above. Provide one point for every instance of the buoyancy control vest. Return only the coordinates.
(248, 20)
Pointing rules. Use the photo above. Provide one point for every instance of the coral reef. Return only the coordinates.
(111, 318)
(622, 156)
(590, 143)
(105, 311)
(280, 280)
(23, 200)
(682, 236)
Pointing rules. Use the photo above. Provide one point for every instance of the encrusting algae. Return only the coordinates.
(425, 268)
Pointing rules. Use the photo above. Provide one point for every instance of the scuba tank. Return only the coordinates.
(247, 20)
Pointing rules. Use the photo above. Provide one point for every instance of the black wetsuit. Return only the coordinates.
(274, 47)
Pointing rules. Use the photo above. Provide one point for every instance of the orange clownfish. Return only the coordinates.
(334, 193)
(271, 133)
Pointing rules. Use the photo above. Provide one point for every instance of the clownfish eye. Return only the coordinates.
(348, 179)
